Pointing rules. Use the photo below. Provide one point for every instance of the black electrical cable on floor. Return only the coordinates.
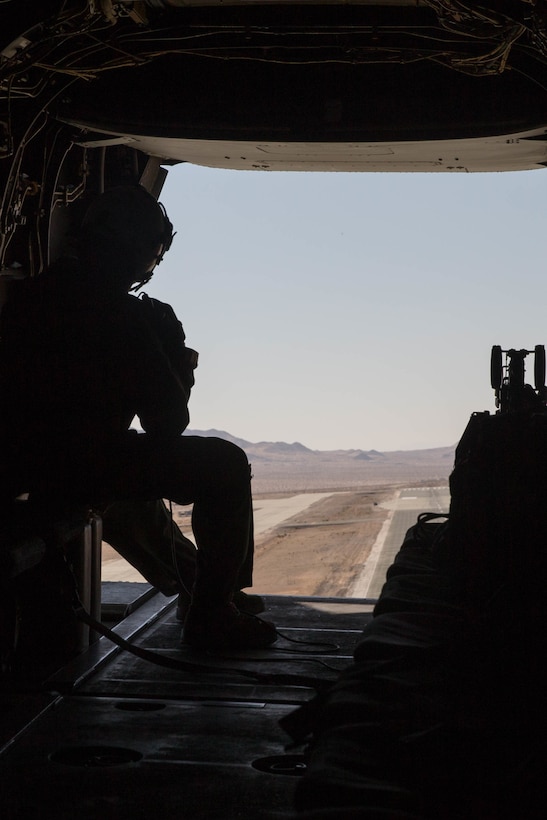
(175, 663)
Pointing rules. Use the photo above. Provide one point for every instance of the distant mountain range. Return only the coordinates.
(282, 467)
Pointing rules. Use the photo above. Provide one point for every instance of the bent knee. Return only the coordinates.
(221, 463)
(230, 454)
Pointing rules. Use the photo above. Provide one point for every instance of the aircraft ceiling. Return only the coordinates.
(435, 85)
(94, 93)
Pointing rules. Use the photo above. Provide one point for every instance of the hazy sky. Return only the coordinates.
(352, 310)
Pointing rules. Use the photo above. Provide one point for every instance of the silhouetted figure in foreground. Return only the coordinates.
(81, 357)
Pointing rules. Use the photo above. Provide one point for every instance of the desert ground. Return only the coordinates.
(319, 551)
(322, 548)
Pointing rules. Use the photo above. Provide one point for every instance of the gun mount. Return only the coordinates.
(507, 378)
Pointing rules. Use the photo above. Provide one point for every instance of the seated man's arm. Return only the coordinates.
(172, 338)
(167, 372)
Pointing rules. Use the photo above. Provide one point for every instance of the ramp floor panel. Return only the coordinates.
(114, 758)
(126, 739)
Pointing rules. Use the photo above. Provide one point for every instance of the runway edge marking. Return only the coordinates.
(361, 587)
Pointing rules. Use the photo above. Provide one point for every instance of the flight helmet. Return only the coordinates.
(127, 232)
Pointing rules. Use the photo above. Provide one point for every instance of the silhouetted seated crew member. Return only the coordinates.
(81, 357)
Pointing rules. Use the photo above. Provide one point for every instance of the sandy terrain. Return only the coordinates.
(319, 551)
(315, 512)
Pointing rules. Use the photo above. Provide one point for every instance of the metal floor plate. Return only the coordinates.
(129, 740)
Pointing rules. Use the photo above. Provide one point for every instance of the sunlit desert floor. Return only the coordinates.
(319, 550)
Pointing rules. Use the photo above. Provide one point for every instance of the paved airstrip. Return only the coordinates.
(270, 512)
(403, 512)
(267, 513)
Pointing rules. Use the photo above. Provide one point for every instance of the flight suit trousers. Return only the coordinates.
(211, 474)
(144, 533)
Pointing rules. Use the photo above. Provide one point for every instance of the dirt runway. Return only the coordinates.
(320, 551)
